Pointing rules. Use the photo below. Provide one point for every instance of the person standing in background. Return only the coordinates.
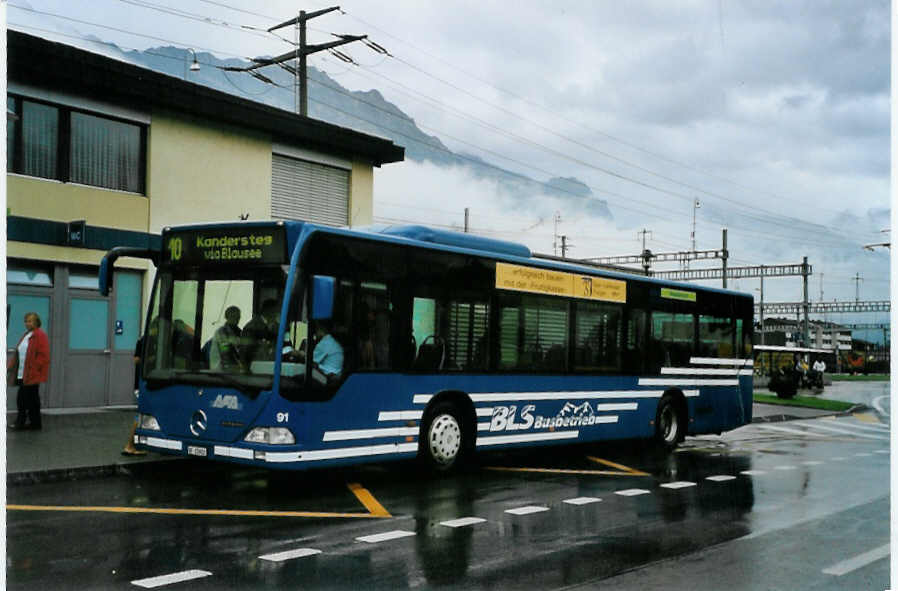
(32, 369)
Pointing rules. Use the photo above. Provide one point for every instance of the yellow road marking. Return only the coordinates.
(626, 469)
(867, 417)
(172, 511)
(621, 469)
(375, 509)
(557, 471)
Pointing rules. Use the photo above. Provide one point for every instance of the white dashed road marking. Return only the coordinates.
(527, 510)
(753, 472)
(390, 535)
(791, 431)
(861, 560)
(676, 485)
(818, 425)
(290, 554)
(632, 492)
(582, 500)
(463, 521)
(720, 478)
(160, 581)
(784, 468)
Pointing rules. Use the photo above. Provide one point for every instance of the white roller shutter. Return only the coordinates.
(307, 191)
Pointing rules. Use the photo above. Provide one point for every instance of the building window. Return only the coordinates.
(40, 138)
(105, 153)
(56, 142)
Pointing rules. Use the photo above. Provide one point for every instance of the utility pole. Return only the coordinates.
(299, 55)
(695, 205)
(761, 309)
(467, 210)
(646, 253)
(726, 256)
(303, 50)
(555, 235)
(564, 247)
(857, 286)
(805, 271)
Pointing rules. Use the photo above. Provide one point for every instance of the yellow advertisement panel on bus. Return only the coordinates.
(545, 281)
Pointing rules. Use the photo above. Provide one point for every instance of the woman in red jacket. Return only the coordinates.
(33, 369)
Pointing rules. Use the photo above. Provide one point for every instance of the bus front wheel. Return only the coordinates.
(669, 426)
(443, 442)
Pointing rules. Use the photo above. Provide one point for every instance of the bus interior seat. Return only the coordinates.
(431, 353)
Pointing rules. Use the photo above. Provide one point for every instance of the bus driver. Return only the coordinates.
(327, 355)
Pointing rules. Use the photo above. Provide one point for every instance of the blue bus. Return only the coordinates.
(292, 345)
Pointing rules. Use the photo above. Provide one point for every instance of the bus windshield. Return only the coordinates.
(215, 326)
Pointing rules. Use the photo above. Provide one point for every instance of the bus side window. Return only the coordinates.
(715, 337)
(431, 353)
(635, 350)
(672, 340)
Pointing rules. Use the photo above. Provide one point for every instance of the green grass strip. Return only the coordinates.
(873, 377)
(804, 401)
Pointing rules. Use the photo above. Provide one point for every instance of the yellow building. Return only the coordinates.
(102, 153)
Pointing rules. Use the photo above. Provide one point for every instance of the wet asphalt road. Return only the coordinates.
(786, 505)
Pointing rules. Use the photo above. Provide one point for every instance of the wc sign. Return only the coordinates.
(76, 232)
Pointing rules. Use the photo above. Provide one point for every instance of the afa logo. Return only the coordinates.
(228, 401)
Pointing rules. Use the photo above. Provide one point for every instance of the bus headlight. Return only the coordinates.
(271, 435)
(149, 423)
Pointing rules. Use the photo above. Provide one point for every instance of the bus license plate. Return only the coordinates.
(196, 450)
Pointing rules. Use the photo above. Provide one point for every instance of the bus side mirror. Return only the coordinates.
(323, 289)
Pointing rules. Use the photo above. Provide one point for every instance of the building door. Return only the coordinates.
(87, 359)
(126, 315)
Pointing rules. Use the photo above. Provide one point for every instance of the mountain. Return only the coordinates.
(365, 111)
(572, 410)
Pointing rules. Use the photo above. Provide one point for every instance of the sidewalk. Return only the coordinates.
(84, 443)
(73, 444)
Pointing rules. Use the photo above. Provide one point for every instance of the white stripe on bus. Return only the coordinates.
(704, 371)
(164, 443)
(560, 395)
(233, 452)
(721, 361)
(484, 412)
(564, 395)
(369, 433)
(685, 382)
(325, 454)
(400, 415)
(502, 439)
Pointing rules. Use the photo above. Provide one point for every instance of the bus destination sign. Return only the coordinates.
(572, 285)
(221, 246)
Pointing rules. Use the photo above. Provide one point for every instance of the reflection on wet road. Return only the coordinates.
(550, 518)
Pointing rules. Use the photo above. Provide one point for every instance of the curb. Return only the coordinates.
(81, 473)
(785, 417)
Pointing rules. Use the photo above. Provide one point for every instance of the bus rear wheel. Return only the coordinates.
(443, 438)
(669, 426)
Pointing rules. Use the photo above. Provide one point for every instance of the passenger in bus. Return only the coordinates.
(260, 334)
(327, 356)
(182, 344)
(224, 352)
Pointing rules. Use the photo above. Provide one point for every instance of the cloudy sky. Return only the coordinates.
(773, 115)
